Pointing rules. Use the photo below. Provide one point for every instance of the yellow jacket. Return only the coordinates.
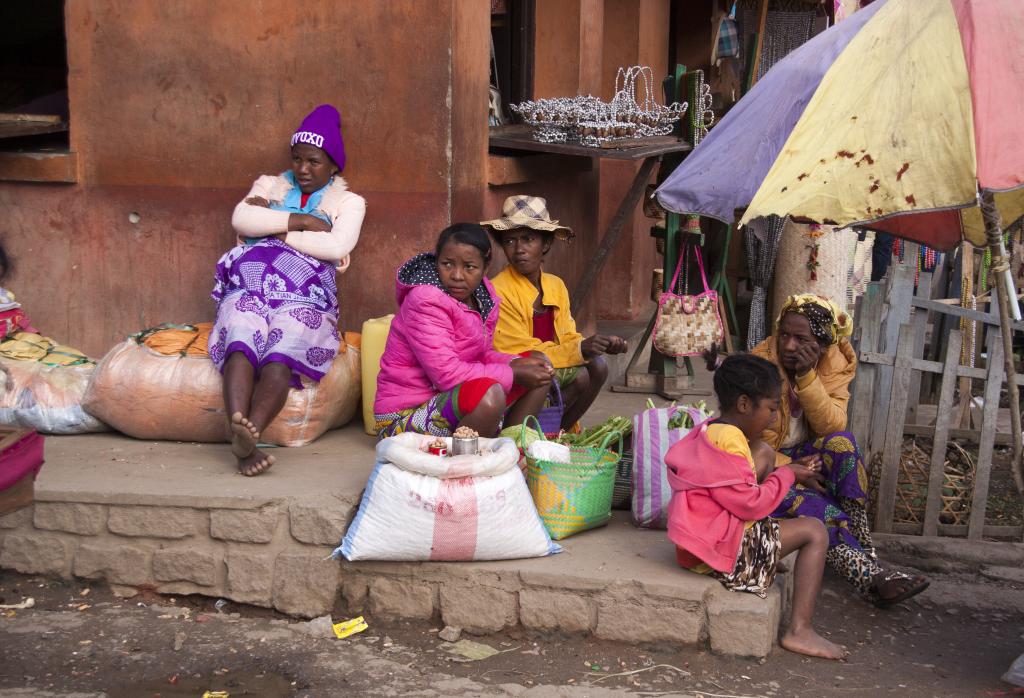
(514, 333)
(823, 393)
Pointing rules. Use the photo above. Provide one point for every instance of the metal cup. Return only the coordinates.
(462, 447)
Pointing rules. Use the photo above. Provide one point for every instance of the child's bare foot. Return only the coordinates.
(256, 463)
(244, 436)
(808, 642)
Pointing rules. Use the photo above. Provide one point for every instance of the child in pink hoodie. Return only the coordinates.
(725, 485)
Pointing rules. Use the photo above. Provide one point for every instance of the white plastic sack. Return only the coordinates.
(1015, 674)
(418, 506)
(46, 398)
(549, 451)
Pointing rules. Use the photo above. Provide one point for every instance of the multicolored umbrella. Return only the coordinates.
(895, 119)
(905, 118)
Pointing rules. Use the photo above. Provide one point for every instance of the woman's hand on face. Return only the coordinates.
(531, 372)
(807, 477)
(258, 201)
(305, 221)
(807, 356)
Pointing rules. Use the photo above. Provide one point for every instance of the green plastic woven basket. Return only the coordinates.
(575, 496)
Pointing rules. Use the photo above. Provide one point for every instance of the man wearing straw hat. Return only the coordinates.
(535, 314)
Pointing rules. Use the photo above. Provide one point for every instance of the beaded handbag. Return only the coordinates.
(688, 325)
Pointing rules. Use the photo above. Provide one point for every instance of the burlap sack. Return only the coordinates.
(149, 395)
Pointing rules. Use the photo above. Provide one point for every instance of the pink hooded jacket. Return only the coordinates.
(436, 342)
(714, 494)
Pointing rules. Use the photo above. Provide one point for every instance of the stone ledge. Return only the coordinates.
(605, 580)
(71, 517)
(617, 583)
(155, 522)
(32, 552)
(320, 522)
(185, 565)
(121, 564)
(245, 525)
(50, 493)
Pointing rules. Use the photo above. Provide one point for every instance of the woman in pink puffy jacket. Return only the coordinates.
(439, 370)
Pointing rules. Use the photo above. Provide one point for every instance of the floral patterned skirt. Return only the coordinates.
(757, 561)
(438, 416)
(276, 305)
(846, 480)
(304, 339)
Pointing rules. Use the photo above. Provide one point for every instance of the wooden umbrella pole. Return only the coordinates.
(994, 237)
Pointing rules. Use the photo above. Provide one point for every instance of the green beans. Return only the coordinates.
(593, 437)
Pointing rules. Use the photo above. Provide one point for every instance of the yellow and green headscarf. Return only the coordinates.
(829, 323)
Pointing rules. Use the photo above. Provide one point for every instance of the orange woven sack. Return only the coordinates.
(148, 394)
(183, 340)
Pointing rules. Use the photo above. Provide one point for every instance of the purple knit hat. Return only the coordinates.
(322, 128)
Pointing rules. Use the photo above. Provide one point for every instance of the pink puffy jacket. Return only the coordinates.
(436, 342)
(714, 494)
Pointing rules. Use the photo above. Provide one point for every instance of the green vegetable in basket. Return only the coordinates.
(683, 420)
(593, 437)
(513, 432)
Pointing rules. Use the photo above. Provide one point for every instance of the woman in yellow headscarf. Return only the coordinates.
(812, 350)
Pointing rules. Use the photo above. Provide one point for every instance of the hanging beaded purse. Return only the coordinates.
(688, 325)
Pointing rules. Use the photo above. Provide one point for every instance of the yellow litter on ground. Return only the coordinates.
(349, 627)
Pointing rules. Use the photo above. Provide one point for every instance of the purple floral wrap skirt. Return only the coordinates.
(276, 305)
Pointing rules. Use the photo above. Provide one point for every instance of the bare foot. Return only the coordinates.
(244, 436)
(256, 463)
(812, 644)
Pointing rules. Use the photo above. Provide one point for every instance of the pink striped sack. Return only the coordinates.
(419, 506)
(652, 438)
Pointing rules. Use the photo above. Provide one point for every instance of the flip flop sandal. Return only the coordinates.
(919, 585)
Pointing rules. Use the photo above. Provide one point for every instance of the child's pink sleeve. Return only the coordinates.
(754, 502)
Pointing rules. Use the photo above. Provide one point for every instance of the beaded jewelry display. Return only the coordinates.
(591, 121)
(701, 115)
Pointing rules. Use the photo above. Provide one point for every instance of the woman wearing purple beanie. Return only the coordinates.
(277, 318)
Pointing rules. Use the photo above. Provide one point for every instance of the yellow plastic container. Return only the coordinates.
(375, 337)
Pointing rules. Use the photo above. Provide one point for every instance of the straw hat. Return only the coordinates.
(528, 212)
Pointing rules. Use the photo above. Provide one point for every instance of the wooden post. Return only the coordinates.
(901, 290)
(924, 290)
(943, 417)
(894, 429)
(762, 21)
(862, 403)
(990, 414)
(970, 331)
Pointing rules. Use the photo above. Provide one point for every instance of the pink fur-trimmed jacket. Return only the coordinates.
(345, 209)
(714, 495)
(436, 342)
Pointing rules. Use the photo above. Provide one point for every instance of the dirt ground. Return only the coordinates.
(81, 640)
